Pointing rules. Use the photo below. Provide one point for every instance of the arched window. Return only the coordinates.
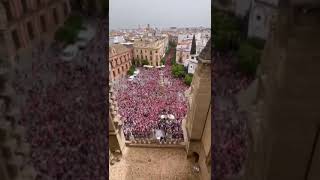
(196, 157)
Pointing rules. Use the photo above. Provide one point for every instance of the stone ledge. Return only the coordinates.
(181, 145)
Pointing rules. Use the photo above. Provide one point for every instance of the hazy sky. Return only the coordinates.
(159, 13)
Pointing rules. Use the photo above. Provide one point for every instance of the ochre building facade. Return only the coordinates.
(120, 60)
(24, 24)
(152, 50)
(183, 51)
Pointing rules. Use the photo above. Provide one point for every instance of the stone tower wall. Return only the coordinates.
(285, 120)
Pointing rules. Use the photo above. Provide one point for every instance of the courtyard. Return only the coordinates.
(152, 164)
(152, 94)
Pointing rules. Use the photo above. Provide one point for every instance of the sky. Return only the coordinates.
(159, 13)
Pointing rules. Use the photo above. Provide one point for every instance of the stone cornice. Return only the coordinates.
(204, 61)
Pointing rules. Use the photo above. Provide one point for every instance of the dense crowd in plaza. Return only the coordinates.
(65, 113)
(143, 100)
(230, 130)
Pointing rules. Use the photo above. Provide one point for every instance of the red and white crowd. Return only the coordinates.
(143, 100)
(64, 113)
(230, 128)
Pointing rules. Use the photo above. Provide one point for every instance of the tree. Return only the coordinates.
(131, 70)
(172, 44)
(249, 58)
(193, 46)
(178, 71)
(69, 32)
(257, 42)
(163, 61)
(145, 62)
(226, 31)
(173, 60)
(66, 35)
(188, 79)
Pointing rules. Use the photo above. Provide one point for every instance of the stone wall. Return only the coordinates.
(261, 14)
(284, 123)
(116, 136)
(198, 125)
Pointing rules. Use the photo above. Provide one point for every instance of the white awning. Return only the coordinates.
(159, 134)
(170, 116)
(163, 116)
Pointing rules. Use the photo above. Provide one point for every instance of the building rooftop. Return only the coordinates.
(117, 49)
(150, 42)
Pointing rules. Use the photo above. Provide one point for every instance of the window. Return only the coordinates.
(122, 68)
(137, 56)
(146, 58)
(55, 16)
(65, 9)
(151, 58)
(114, 74)
(30, 30)
(8, 10)
(150, 52)
(43, 23)
(141, 51)
(38, 3)
(16, 39)
(1, 37)
(156, 51)
(118, 70)
(141, 57)
(258, 17)
(24, 6)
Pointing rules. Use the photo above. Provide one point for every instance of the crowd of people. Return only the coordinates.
(64, 112)
(153, 92)
(230, 127)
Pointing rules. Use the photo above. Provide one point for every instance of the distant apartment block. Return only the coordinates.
(183, 51)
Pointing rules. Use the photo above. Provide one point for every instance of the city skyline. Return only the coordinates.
(155, 26)
(161, 14)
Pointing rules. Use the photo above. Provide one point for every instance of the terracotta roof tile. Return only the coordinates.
(118, 49)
